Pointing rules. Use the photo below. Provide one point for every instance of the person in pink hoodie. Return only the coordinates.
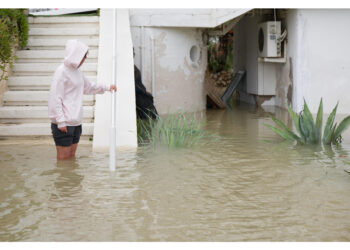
(66, 99)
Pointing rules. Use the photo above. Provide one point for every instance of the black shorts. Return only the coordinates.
(66, 139)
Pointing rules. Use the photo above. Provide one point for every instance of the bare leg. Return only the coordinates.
(63, 153)
(73, 149)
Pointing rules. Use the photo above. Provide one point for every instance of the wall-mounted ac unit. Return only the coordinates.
(269, 44)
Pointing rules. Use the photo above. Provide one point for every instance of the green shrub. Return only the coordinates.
(13, 32)
(220, 53)
(310, 132)
(174, 131)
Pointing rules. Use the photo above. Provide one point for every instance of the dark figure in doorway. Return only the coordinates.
(144, 100)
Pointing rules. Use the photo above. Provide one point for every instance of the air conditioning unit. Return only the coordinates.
(268, 39)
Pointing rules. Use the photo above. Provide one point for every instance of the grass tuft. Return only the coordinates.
(174, 131)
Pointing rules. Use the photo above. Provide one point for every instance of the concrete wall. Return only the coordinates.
(318, 59)
(178, 81)
(125, 100)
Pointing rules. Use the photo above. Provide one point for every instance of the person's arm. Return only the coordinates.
(91, 88)
(58, 95)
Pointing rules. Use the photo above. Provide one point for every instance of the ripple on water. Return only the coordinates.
(246, 185)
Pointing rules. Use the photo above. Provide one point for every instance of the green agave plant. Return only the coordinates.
(309, 131)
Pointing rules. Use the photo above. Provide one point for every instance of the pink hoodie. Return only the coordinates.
(68, 86)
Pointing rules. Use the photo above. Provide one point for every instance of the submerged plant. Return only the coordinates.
(309, 131)
(175, 130)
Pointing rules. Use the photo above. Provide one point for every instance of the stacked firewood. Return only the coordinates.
(222, 78)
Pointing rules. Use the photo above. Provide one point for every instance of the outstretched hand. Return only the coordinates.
(113, 87)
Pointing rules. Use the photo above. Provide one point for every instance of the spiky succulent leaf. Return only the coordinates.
(343, 125)
(333, 138)
(307, 114)
(329, 125)
(281, 133)
(304, 130)
(285, 128)
(309, 122)
(295, 118)
(319, 119)
(329, 138)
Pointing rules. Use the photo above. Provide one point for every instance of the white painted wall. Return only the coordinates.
(318, 45)
(178, 82)
(126, 108)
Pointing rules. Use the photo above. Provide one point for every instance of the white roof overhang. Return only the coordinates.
(197, 18)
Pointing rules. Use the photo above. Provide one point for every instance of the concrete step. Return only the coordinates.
(33, 72)
(57, 43)
(64, 22)
(65, 25)
(33, 69)
(33, 82)
(36, 129)
(35, 98)
(63, 19)
(34, 114)
(28, 56)
(63, 31)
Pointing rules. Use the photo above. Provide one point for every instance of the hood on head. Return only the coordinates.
(75, 52)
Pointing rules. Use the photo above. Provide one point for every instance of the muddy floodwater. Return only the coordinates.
(245, 185)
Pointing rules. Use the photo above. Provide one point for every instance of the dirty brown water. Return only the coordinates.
(247, 185)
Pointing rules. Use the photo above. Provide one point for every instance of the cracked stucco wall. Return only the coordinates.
(178, 82)
(292, 76)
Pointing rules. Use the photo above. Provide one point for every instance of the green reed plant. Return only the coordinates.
(310, 131)
(174, 131)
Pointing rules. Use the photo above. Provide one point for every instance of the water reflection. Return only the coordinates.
(67, 181)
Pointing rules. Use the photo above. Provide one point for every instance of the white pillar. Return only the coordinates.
(125, 103)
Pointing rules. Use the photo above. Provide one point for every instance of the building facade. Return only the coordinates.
(171, 52)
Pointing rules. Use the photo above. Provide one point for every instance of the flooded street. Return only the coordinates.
(246, 184)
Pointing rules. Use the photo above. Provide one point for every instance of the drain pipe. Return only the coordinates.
(112, 154)
(152, 55)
